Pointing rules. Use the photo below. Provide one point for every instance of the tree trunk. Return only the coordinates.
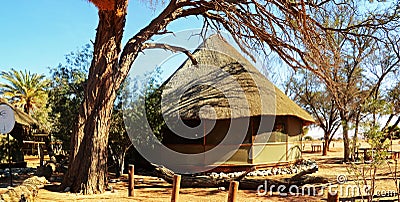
(326, 144)
(88, 159)
(122, 164)
(354, 145)
(346, 144)
(116, 159)
(119, 163)
(329, 144)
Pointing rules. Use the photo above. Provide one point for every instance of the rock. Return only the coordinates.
(238, 174)
(23, 199)
(274, 171)
(294, 170)
(53, 159)
(251, 174)
(26, 191)
(46, 170)
(67, 189)
(286, 171)
(35, 180)
(109, 188)
(223, 175)
(214, 175)
(6, 197)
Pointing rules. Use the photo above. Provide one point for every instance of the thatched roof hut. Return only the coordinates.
(22, 130)
(225, 94)
(22, 118)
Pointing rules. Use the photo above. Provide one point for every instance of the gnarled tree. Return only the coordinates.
(343, 56)
(313, 96)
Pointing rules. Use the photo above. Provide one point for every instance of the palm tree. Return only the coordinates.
(23, 89)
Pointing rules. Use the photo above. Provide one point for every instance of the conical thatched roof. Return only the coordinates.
(22, 117)
(224, 85)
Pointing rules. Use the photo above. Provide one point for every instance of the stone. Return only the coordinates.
(67, 189)
(27, 191)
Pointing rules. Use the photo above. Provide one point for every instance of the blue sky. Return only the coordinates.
(38, 34)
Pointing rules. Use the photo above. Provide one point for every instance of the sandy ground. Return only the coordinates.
(154, 189)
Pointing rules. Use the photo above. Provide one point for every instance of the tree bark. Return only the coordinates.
(121, 164)
(355, 137)
(116, 158)
(326, 144)
(346, 144)
(88, 158)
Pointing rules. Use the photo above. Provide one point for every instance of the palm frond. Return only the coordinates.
(24, 89)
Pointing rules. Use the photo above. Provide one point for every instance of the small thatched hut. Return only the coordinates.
(230, 107)
(22, 130)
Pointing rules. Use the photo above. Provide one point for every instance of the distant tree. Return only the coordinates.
(24, 89)
(312, 94)
(388, 106)
(147, 87)
(344, 61)
(395, 131)
(14, 146)
(383, 101)
(119, 142)
(66, 93)
(393, 100)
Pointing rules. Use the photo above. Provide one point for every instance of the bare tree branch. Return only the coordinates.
(170, 48)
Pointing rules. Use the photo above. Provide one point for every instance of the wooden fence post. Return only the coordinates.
(233, 189)
(131, 181)
(175, 188)
(333, 197)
